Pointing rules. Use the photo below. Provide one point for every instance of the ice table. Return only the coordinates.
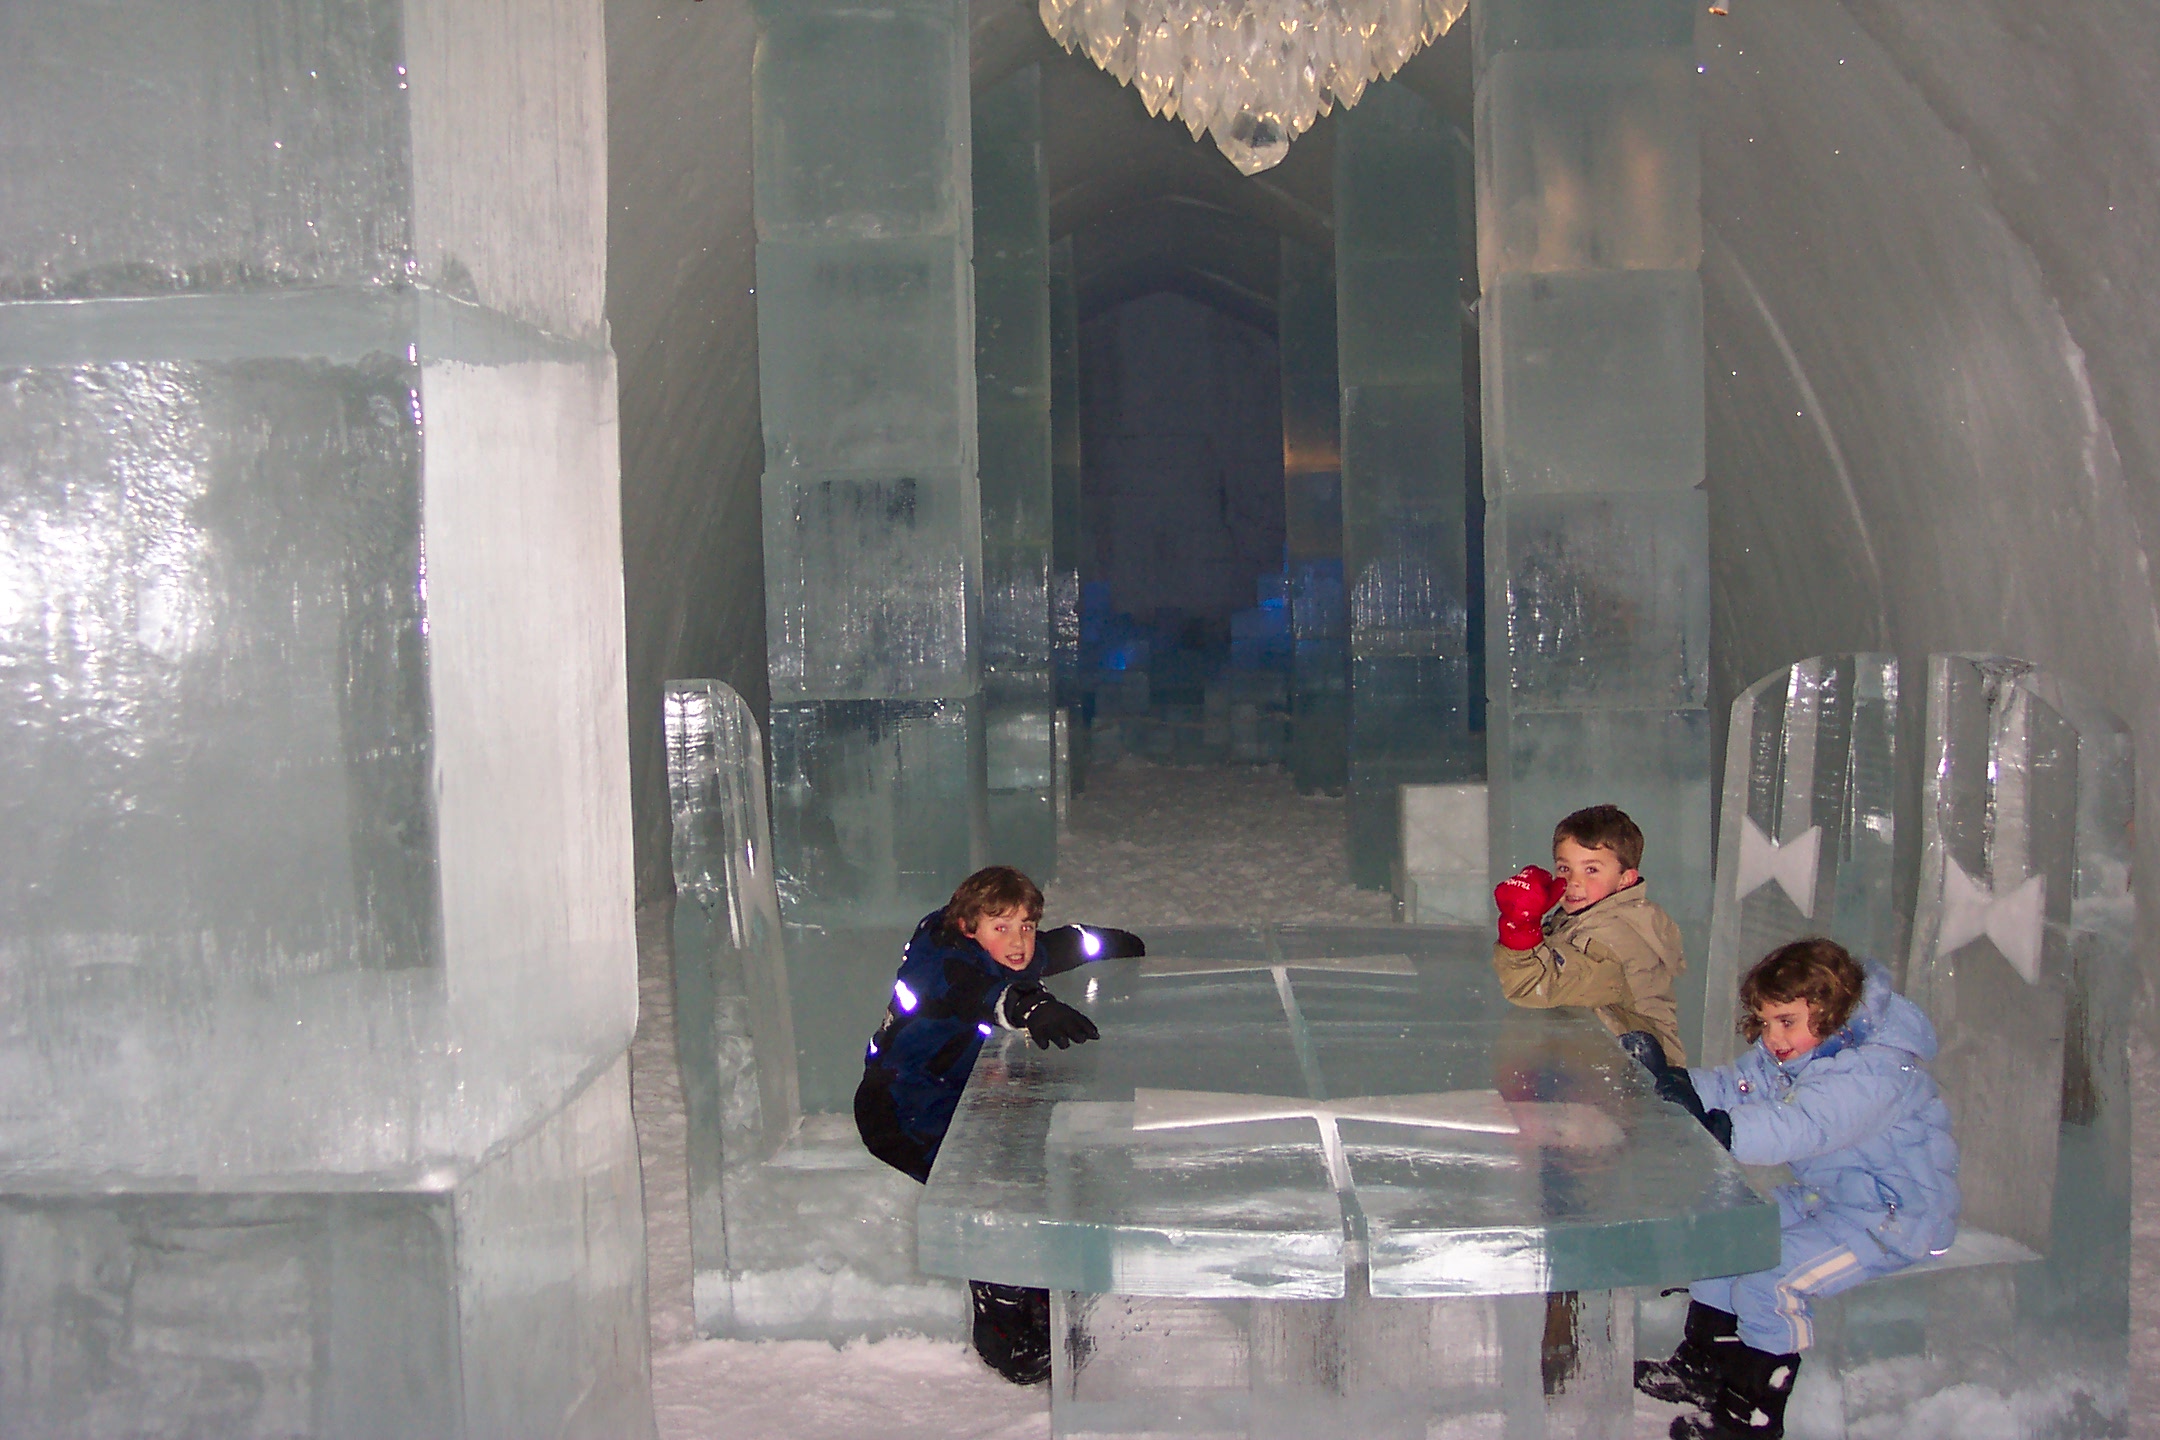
(1306, 1185)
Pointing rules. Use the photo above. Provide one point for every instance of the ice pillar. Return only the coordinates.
(1068, 520)
(1313, 519)
(315, 914)
(873, 533)
(1012, 390)
(1597, 549)
(1399, 252)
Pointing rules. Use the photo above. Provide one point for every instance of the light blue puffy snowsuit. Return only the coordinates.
(1867, 1135)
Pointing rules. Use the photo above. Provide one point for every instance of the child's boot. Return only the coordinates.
(1012, 1330)
(1691, 1376)
(1750, 1400)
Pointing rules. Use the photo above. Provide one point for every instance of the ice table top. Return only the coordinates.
(1271, 1107)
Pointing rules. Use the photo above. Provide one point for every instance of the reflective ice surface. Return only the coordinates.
(1045, 1179)
(1808, 825)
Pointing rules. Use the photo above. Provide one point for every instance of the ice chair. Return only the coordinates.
(2021, 954)
(795, 1231)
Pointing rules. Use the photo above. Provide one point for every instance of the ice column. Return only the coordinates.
(1068, 537)
(1313, 519)
(1399, 252)
(1012, 390)
(873, 534)
(315, 923)
(795, 1231)
(1808, 830)
(1597, 550)
(2022, 954)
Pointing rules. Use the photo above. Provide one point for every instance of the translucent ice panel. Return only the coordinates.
(1398, 168)
(1403, 519)
(1587, 160)
(1401, 321)
(509, 1303)
(1409, 725)
(1606, 600)
(1593, 382)
(1311, 404)
(1654, 764)
(1504, 25)
(865, 355)
(297, 818)
(1808, 824)
(862, 120)
(870, 584)
(1066, 521)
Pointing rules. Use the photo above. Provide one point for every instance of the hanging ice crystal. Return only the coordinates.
(1253, 74)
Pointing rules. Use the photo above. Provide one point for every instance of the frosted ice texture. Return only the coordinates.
(2022, 953)
(1399, 254)
(1597, 598)
(1808, 825)
(1014, 394)
(1043, 1179)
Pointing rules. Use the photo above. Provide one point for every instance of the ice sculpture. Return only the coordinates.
(1597, 568)
(1012, 379)
(2022, 952)
(316, 918)
(1313, 520)
(1808, 831)
(1308, 1184)
(873, 526)
(1400, 250)
(795, 1231)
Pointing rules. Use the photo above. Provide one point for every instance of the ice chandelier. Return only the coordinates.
(1254, 74)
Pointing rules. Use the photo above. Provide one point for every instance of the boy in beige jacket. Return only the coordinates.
(1609, 949)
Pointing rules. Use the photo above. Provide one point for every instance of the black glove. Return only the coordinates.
(1047, 1019)
(1068, 947)
(1675, 1084)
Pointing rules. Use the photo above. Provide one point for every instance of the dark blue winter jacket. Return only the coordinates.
(1859, 1120)
(944, 1004)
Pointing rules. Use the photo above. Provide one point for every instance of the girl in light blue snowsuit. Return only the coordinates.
(1835, 1086)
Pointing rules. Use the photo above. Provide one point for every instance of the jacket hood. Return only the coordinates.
(1885, 1018)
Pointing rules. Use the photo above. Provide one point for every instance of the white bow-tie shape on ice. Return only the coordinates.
(1792, 864)
(2014, 922)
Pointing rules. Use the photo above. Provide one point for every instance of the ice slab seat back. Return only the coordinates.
(795, 1231)
(1808, 827)
(315, 906)
(2022, 956)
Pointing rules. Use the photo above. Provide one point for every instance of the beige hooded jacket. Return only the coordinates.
(1620, 957)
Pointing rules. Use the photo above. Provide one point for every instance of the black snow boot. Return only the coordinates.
(1012, 1330)
(1690, 1377)
(1753, 1387)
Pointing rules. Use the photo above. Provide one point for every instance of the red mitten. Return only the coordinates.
(1523, 898)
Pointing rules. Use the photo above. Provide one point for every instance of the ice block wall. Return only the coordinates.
(316, 912)
(1400, 249)
(1597, 549)
(1012, 393)
(1808, 829)
(1068, 519)
(1313, 520)
(873, 530)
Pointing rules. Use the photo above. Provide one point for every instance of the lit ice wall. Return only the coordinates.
(873, 532)
(1313, 518)
(1012, 390)
(316, 905)
(1400, 203)
(1597, 542)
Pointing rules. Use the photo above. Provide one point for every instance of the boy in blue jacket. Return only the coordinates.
(972, 968)
(1835, 1086)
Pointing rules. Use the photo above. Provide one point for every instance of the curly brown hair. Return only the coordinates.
(1603, 827)
(992, 890)
(1821, 972)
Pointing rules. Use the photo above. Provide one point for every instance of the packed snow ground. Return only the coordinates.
(1146, 845)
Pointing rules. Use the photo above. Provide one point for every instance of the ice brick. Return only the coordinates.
(864, 355)
(1594, 382)
(1587, 161)
(1443, 828)
(511, 1301)
(1808, 825)
(900, 623)
(1505, 25)
(293, 810)
(863, 120)
(1401, 322)
(1411, 727)
(1606, 601)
